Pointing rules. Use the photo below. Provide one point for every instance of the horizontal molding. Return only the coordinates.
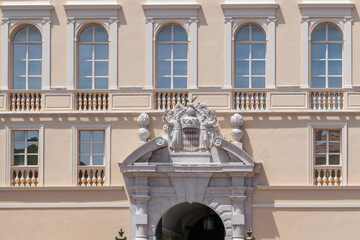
(307, 188)
(326, 5)
(171, 5)
(89, 5)
(61, 188)
(63, 205)
(249, 5)
(21, 5)
(306, 205)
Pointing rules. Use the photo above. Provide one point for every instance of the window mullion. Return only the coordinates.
(25, 150)
(93, 67)
(326, 65)
(172, 66)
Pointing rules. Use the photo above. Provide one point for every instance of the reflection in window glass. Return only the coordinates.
(27, 59)
(327, 147)
(326, 56)
(93, 58)
(172, 52)
(25, 148)
(250, 57)
(91, 147)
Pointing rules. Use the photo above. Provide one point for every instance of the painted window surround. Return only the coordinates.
(315, 13)
(16, 13)
(75, 141)
(158, 14)
(8, 149)
(239, 13)
(343, 127)
(104, 13)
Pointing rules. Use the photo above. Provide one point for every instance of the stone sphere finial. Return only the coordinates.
(237, 133)
(237, 120)
(143, 132)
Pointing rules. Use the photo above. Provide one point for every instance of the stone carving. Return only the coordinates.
(237, 121)
(143, 132)
(190, 128)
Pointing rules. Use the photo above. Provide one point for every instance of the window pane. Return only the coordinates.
(19, 160)
(335, 67)
(34, 67)
(319, 33)
(85, 136)
(243, 34)
(32, 160)
(334, 159)
(320, 160)
(100, 34)
(32, 148)
(98, 160)
(242, 82)
(101, 68)
(20, 36)
(164, 82)
(19, 147)
(85, 69)
(164, 68)
(334, 33)
(19, 51)
(242, 67)
(19, 136)
(318, 82)
(164, 51)
(33, 136)
(318, 51)
(85, 83)
(165, 34)
(101, 83)
(320, 135)
(98, 148)
(335, 51)
(257, 33)
(98, 136)
(320, 147)
(179, 34)
(242, 51)
(318, 67)
(85, 52)
(258, 51)
(84, 159)
(19, 83)
(180, 51)
(180, 68)
(34, 82)
(258, 82)
(258, 68)
(87, 35)
(334, 135)
(101, 52)
(180, 82)
(34, 34)
(335, 82)
(35, 51)
(19, 67)
(84, 147)
(334, 147)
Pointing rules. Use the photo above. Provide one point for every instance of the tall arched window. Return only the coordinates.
(326, 56)
(93, 58)
(27, 59)
(250, 57)
(172, 55)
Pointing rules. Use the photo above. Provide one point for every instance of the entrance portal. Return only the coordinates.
(187, 221)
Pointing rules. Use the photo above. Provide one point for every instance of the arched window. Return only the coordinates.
(250, 57)
(172, 55)
(93, 58)
(326, 56)
(27, 59)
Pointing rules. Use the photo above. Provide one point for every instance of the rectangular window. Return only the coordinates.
(25, 148)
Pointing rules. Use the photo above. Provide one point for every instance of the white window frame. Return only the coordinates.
(262, 13)
(314, 14)
(15, 14)
(9, 149)
(343, 161)
(75, 148)
(160, 14)
(104, 13)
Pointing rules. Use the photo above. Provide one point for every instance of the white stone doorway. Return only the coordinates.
(190, 221)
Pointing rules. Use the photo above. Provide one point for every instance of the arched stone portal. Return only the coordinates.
(190, 163)
(190, 221)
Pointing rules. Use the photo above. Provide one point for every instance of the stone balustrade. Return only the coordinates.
(327, 175)
(94, 101)
(24, 176)
(326, 100)
(249, 100)
(168, 100)
(25, 101)
(90, 176)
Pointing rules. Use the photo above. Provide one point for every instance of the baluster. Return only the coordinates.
(247, 101)
(22, 178)
(98, 102)
(336, 179)
(339, 100)
(88, 180)
(27, 178)
(330, 179)
(23, 107)
(183, 99)
(324, 179)
(27, 102)
(93, 180)
(37, 101)
(33, 179)
(32, 101)
(333, 101)
(315, 178)
(12, 178)
(313, 99)
(252, 100)
(83, 180)
(79, 176)
(17, 179)
(163, 101)
(80, 102)
(99, 179)
(263, 99)
(319, 178)
(85, 101)
(13, 102)
(102, 177)
(169, 101)
(103, 103)
(94, 102)
(258, 99)
(17, 102)
(173, 102)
